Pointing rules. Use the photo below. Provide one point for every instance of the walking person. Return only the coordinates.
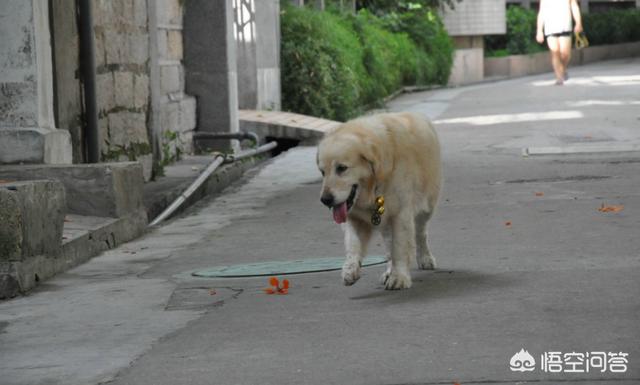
(555, 23)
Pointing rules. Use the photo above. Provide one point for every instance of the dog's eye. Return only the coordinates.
(341, 168)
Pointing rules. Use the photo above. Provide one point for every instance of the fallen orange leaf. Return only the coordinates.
(507, 223)
(539, 194)
(212, 292)
(277, 289)
(611, 209)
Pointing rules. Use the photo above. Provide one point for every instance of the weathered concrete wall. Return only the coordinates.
(177, 110)
(268, 54)
(102, 190)
(468, 66)
(477, 17)
(122, 76)
(245, 35)
(32, 215)
(522, 65)
(210, 64)
(26, 86)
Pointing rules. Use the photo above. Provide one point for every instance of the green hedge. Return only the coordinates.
(520, 37)
(334, 65)
(611, 27)
(322, 69)
(429, 34)
(389, 58)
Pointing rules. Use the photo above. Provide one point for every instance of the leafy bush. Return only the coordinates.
(334, 64)
(322, 64)
(520, 36)
(521, 30)
(427, 31)
(611, 27)
(389, 58)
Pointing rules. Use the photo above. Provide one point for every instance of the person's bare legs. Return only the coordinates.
(564, 43)
(556, 58)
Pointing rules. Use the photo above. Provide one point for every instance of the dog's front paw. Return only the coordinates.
(396, 280)
(426, 262)
(350, 273)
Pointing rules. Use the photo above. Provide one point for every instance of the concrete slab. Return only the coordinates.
(584, 149)
(285, 125)
(103, 189)
(32, 215)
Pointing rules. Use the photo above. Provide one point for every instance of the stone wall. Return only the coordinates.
(268, 54)
(177, 111)
(27, 127)
(122, 77)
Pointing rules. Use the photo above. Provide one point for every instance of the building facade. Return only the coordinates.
(467, 24)
(586, 5)
(163, 70)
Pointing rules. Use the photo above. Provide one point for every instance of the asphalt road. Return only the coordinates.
(526, 261)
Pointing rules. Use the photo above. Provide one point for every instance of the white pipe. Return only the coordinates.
(245, 154)
(217, 161)
(187, 193)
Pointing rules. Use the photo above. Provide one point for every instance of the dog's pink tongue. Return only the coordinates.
(340, 213)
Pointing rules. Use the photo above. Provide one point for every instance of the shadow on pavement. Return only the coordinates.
(439, 284)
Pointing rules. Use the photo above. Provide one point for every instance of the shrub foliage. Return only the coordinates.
(333, 65)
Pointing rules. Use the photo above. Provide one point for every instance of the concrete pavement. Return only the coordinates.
(526, 261)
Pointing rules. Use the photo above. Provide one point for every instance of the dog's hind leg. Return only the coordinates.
(425, 260)
(356, 240)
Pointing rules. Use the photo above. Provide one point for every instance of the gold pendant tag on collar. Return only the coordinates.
(376, 217)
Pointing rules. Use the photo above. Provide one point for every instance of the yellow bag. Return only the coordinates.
(581, 40)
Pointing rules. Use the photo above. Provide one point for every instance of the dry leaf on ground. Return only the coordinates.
(611, 209)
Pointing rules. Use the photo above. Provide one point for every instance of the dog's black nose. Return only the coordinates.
(327, 199)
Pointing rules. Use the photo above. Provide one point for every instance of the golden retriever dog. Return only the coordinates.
(382, 172)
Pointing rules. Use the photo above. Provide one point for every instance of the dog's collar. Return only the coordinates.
(376, 216)
(378, 210)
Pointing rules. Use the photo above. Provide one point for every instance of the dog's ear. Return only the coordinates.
(379, 160)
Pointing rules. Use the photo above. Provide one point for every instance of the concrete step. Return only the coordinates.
(285, 125)
(86, 236)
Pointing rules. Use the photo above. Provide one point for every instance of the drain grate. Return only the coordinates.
(302, 266)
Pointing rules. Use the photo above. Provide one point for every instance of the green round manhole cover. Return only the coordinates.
(282, 267)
